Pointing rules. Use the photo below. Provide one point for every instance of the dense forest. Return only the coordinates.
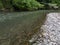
(23, 5)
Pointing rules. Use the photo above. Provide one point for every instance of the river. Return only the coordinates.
(30, 28)
(16, 28)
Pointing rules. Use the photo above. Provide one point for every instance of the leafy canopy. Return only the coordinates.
(27, 4)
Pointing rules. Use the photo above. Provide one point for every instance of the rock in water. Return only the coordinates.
(51, 28)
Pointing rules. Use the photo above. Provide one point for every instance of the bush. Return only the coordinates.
(6, 4)
(1, 5)
(56, 2)
(27, 4)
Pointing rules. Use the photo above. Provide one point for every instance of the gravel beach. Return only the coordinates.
(51, 28)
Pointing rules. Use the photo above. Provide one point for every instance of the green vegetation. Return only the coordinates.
(27, 4)
(50, 4)
(56, 2)
(1, 5)
(7, 5)
(22, 5)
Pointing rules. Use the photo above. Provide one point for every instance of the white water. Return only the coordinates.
(51, 28)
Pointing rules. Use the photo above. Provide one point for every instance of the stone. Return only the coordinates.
(51, 28)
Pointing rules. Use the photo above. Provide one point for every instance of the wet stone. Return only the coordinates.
(51, 28)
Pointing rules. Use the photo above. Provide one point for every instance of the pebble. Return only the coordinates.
(52, 30)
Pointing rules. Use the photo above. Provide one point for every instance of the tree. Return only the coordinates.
(1, 5)
(27, 4)
(44, 1)
(6, 4)
(56, 2)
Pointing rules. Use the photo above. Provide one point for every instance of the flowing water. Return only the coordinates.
(51, 28)
(30, 28)
(16, 28)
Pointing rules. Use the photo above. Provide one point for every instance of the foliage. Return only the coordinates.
(27, 4)
(56, 2)
(45, 1)
(53, 5)
(1, 5)
(6, 4)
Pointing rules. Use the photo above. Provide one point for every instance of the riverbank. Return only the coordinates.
(51, 31)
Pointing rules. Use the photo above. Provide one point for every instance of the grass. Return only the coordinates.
(16, 28)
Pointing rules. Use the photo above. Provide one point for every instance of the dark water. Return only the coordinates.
(17, 28)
